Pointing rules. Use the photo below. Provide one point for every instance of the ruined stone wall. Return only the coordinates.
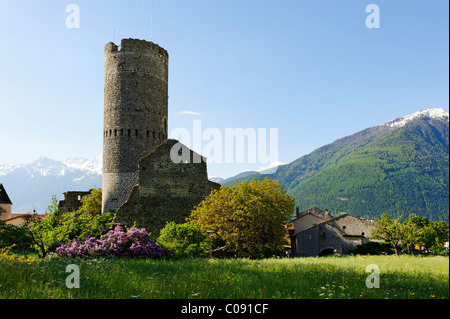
(167, 190)
(135, 113)
(72, 201)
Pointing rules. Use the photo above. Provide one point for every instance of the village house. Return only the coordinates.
(6, 207)
(317, 233)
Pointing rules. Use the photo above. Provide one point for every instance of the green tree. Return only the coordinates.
(434, 235)
(55, 228)
(388, 229)
(418, 230)
(183, 240)
(88, 219)
(246, 218)
(411, 233)
(14, 235)
(92, 203)
(51, 230)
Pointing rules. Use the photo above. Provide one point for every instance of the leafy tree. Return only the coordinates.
(183, 240)
(92, 203)
(388, 229)
(88, 219)
(416, 230)
(50, 231)
(411, 234)
(435, 235)
(56, 228)
(246, 218)
(14, 235)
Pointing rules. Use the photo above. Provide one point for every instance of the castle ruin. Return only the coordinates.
(141, 181)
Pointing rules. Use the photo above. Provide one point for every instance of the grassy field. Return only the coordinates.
(402, 277)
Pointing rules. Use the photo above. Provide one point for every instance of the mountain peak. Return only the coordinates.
(431, 113)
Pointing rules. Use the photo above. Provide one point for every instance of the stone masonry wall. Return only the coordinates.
(167, 190)
(344, 233)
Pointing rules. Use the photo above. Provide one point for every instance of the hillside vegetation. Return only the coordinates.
(399, 171)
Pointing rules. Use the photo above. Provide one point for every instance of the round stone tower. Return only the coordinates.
(135, 113)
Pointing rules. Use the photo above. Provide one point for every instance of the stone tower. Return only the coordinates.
(135, 113)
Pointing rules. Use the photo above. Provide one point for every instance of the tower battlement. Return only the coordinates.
(137, 46)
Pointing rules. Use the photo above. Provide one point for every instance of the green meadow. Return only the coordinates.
(343, 277)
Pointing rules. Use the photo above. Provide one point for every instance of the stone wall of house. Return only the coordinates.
(316, 233)
(135, 113)
(343, 233)
(169, 187)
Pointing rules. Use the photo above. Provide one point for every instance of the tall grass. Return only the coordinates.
(312, 278)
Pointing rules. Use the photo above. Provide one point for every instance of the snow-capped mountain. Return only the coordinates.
(93, 164)
(31, 186)
(216, 179)
(399, 168)
(437, 113)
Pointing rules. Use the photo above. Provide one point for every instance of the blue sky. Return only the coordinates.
(311, 69)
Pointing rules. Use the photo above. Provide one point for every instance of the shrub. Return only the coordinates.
(183, 240)
(134, 243)
(247, 218)
(372, 248)
(14, 235)
(6, 255)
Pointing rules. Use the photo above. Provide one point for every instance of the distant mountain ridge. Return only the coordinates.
(399, 167)
(31, 186)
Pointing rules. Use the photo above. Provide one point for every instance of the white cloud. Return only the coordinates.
(185, 112)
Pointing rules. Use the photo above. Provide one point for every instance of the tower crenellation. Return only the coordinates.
(135, 113)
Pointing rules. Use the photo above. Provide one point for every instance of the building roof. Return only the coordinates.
(329, 220)
(314, 211)
(4, 198)
(14, 216)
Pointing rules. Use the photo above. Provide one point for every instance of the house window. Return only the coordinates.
(343, 227)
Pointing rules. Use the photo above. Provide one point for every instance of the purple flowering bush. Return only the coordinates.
(133, 243)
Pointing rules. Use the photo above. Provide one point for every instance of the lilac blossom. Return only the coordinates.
(134, 243)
